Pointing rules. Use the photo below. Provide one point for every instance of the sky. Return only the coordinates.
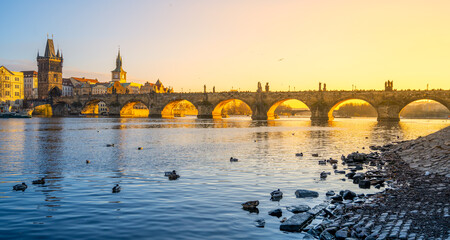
(233, 44)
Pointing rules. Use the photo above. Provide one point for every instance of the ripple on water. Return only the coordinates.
(77, 202)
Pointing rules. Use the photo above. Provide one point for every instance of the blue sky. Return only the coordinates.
(235, 44)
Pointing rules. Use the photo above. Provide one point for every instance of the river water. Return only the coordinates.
(76, 201)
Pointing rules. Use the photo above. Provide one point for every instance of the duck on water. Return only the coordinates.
(116, 188)
(20, 187)
(172, 175)
(39, 181)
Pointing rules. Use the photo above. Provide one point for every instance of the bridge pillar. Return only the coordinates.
(259, 112)
(205, 110)
(319, 112)
(388, 113)
(114, 109)
(155, 112)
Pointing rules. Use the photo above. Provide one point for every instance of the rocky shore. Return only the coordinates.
(414, 204)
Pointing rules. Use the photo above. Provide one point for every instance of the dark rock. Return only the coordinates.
(359, 167)
(302, 193)
(331, 230)
(298, 208)
(337, 198)
(348, 224)
(342, 234)
(296, 223)
(348, 195)
(364, 184)
(350, 175)
(330, 193)
(317, 209)
(277, 213)
(339, 171)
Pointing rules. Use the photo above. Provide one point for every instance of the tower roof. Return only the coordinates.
(49, 49)
(118, 63)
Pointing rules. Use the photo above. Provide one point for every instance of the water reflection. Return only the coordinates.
(207, 195)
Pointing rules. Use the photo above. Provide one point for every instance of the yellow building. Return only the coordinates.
(11, 88)
(157, 87)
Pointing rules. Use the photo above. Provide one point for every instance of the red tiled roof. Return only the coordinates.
(86, 80)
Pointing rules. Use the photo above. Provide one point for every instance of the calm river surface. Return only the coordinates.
(76, 202)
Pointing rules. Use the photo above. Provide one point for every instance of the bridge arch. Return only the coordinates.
(217, 111)
(275, 105)
(171, 110)
(340, 102)
(423, 109)
(92, 107)
(42, 110)
(134, 108)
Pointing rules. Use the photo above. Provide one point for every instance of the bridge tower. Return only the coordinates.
(118, 74)
(49, 72)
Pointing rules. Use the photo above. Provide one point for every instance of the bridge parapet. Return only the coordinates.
(321, 103)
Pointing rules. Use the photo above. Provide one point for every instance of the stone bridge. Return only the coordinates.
(388, 104)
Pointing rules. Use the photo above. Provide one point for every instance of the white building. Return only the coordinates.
(67, 87)
(30, 80)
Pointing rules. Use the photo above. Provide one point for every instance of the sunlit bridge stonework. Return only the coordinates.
(388, 103)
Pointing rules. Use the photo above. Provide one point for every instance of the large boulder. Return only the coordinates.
(302, 193)
(276, 213)
(298, 208)
(296, 223)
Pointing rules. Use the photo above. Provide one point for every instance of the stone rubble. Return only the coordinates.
(414, 205)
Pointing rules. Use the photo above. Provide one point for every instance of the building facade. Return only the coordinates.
(82, 86)
(30, 80)
(157, 87)
(100, 88)
(11, 88)
(49, 72)
(67, 87)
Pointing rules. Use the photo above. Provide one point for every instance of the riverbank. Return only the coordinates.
(415, 205)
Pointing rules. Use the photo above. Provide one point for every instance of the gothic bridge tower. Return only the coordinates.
(49, 72)
(118, 74)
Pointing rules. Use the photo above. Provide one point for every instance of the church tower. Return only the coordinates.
(118, 74)
(49, 72)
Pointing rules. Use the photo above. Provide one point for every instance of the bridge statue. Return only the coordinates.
(388, 103)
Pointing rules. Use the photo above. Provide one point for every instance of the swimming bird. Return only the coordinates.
(140, 148)
(20, 187)
(276, 195)
(323, 175)
(116, 188)
(332, 160)
(299, 154)
(315, 154)
(87, 161)
(39, 181)
(250, 204)
(232, 159)
(110, 145)
(173, 175)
